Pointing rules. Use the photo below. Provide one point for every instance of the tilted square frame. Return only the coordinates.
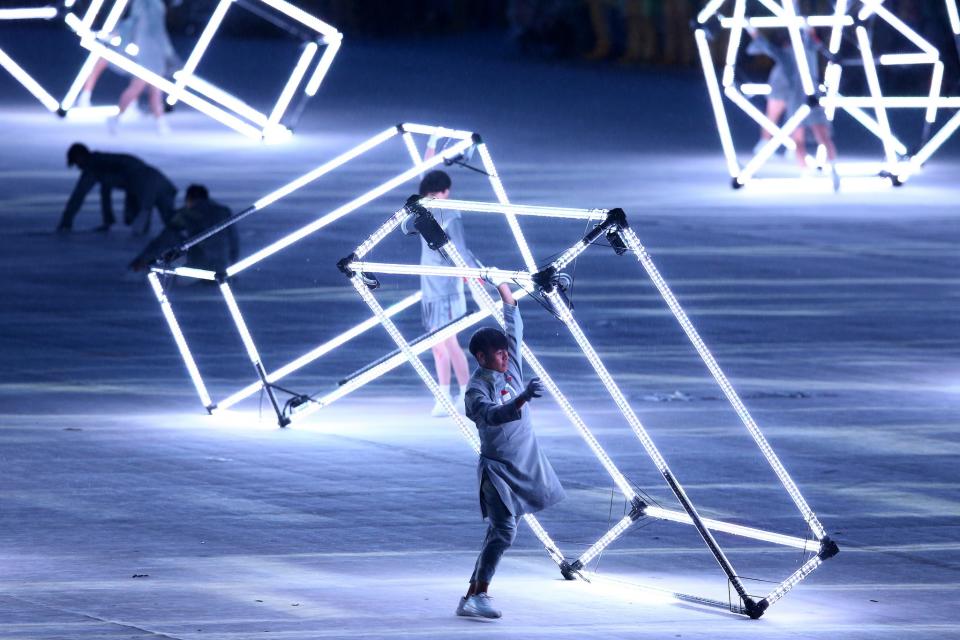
(543, 282)
(462, 142)
(898, 165)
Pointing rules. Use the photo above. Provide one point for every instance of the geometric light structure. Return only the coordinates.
(96, 26)
(204, 95)
(267, 379)
(848, 22)
(543, 282)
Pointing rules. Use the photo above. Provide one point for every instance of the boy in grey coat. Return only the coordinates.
(515, 476)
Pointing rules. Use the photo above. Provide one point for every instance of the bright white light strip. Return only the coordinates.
(229, 101)
(799, 51)
(165, 85)
(502, 198)
(325, 168)
(71, 96)
(238, 320)
(916, 162)
(876, 6)
(411, 146)
(889, 59)
(605, 540)
(773, 22)
(440, 132)
(755, 89)
(484, 273)
(302, 16)
(806, 569)
(293, 82)
(733, 46)
(92, 113)
(343, 210)
(640, 431)
(713, 90)
(444, 399)
(873, 81)
(708, 10)
(836, 33)
(774, 7)
(91, 14)
(333, 46)
(38, 13)
(185, 74)
(319, 351)
(735, 529)
(935, 85)
(633, 242)
(28, 82)
(516, 209)
(831, 79)
(179, 339)
(873, 127)
(954, 15)
(768, 149)
(779, 136)
(893, 102)
(188, 272)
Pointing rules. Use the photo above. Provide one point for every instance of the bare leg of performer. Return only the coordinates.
(84, 99)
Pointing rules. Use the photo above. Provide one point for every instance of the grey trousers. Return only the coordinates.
(501, 532)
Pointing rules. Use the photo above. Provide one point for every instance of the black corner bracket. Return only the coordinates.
(639, 508)
(343, 266)
(570, 570)
(545, 279)
(755, 609)
(828, 548)
(425, 224)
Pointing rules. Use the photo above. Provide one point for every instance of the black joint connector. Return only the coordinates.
(617, 217)
(413, 201)
(570, 570)
(170, 255)
(400, 128)
(828, 548)
(342, 265)
(211, 408)
(545, 279)
(426, 225)
(283, 421)
(476, 138)
(61, 112)
(220, 277)
(639, 508)
(755, 609)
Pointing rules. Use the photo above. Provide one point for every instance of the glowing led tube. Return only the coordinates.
(411, 146)
(760, 118)
(440, 132)
(501, 193)
(836, 33)
(301, 16)
(633, 242)
(708, 10)
(185, 74)
(873, 82)
(811, 546)
(935, 85)
(771, 145)
(755, 89)
(896, 102)
(187, 272)
(28, 82)
(229, 101)
(341, 211)
(799, 51)
(713, 90)
(516, 209)
(323, 66)
(293, 82)
(606, 540)
(736, 34)
(889, 59)
(37, 13)
(954, 16)
(389, 268)
(318, 352)
(809, 567)
(179, 338)
(947, 130)
(876, 6)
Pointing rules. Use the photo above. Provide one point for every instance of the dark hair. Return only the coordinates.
(487, 339)
(435, 182)
(197, 192)
(77, 153)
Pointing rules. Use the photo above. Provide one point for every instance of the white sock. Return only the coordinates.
(445, 388)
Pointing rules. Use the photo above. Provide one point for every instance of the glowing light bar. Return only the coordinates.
(767, 150)
(339, 212)
(954, 16)
(184, 75)
(516, 209)
(941, 136)
(37, 13)
(799, 51)
(779, 135)
(893, 102)
(811, 546)
(28, 82)
(773, 22)
(876, 6)
(719, 114)
(319, 351)
(708, 10)
(808, 567)
(293, 82)
(605, 540)
(836, 33)
(736, 34)
(411, 146)
(229, 101)
(179, 338)
(302, 16)
(755, 89)
(873, 81)
(429, 270)
(92, 113)
(325, 168)
(333, 46)
(501, 193)
(440, 132)
(633, 242)
(935, 85)
(188, 272)
(888, 59)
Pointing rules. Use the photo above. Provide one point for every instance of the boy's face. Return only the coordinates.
(496, 359)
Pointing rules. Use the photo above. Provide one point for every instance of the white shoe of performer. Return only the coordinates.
(479, 605)
(439, 409)
(163, 127)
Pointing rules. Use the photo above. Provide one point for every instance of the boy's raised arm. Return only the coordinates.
(514, 330)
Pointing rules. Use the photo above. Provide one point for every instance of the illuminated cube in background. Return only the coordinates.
(850, 21)
(546, 284)
(204, 95)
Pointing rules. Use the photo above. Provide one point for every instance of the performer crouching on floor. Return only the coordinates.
(515, 476)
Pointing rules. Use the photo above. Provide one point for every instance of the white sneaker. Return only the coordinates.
(439, 409)
(477, 606)
(113, 124)
(835, 177)
(83, 100)
(163, 127)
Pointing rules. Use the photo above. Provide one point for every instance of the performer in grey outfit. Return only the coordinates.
(442, 298)
(514, 475)
(144, 185)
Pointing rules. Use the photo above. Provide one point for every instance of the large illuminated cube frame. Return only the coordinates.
(898, 166)
(95, 28)
(542, 281)
(460, 143)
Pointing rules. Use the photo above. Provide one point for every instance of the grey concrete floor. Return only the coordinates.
(126, 512)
